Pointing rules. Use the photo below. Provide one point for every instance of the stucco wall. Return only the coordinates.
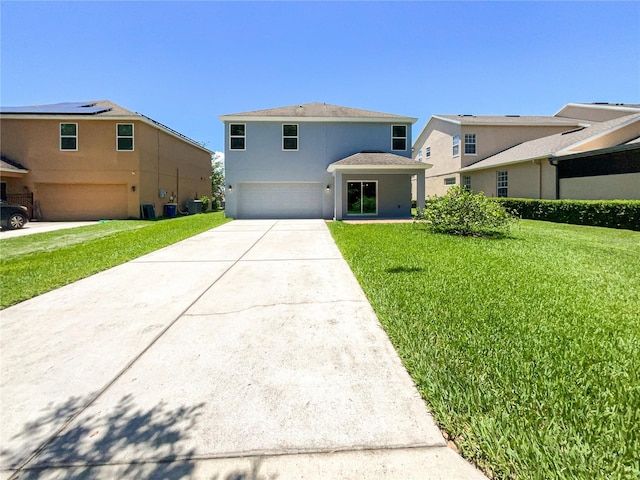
(319, 144)
(35, 143)
(525, 180)
(604, 187)
(394, 195)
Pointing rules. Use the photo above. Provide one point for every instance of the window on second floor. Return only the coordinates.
(237, 136)
(470, 144)
(419, 158)
(290, 137)
(399, 137)
(68, 136)
(502, 183)
(124, 137)
(428, 152)
(456, 145)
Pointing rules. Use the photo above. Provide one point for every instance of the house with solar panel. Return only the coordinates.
(319, 161)
(97, 160)
(584, 151)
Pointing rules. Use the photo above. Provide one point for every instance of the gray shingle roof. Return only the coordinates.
(377, 160)
(509, 120)
(319, 110)
(551, 145)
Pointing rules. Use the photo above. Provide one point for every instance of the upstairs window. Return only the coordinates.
(124, 137)
(237, 136)
(399, 137)
(456, 145)
(502, 183)
(69, 136)
(419, 158)
(470, 144)
(428, 152)
(290, 137)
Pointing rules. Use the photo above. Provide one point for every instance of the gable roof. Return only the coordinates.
(317, 112)
(377, 161)
(96, 109)
(553, 145)
(508, 120)
(10, 166)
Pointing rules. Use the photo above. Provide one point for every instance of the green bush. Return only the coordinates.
(205, 203)
(462, 212)
(598, 213)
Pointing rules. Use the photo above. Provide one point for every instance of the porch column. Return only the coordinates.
(420, 189)
(337, 202)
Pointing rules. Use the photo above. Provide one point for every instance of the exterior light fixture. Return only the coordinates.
(328, 187)
(133, 188)
(230, 188)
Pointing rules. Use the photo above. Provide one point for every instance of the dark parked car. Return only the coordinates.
(12, 216)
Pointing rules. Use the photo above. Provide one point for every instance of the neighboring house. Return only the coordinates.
(96, 160)
(578, 153)
(319, 161)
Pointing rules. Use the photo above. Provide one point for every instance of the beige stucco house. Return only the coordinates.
(96, 160)
(585, 151)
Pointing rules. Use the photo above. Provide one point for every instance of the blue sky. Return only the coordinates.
(186, 63)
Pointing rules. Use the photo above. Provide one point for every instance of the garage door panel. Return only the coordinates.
(280, 200)
(70, 202)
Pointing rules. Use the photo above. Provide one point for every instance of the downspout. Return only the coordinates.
(554, 163)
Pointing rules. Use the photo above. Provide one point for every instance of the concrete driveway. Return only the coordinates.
(246, 352)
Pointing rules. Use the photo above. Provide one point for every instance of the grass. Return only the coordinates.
(34, 264)
(527, 349)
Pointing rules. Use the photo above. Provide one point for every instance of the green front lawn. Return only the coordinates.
(526, 349)
(34, 264)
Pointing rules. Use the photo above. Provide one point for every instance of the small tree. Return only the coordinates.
(217, 180)
(462, 212)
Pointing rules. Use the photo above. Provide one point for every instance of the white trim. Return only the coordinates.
(60, 137)
(347, 197)
(297, 137)
(475, 144)
(453, 145)
(422, 166)
(291, 119)
(133, 141)
(244, 137)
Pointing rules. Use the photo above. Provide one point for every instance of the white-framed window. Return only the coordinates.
(69, 136)
(502, 183)
(398, 137)
(419, 155)
(237, 136)
(362, 197)
(124, 137)
(456, 145)
(469, 143)
(428, 152)
(289, 137)
(466, 182)
(450, 181)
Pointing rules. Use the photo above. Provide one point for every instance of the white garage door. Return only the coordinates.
(279, 200)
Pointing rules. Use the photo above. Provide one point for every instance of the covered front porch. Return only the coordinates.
(375, 185)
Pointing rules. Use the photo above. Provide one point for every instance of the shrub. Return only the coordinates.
(599, 213)
(205, 203)
(462, 212)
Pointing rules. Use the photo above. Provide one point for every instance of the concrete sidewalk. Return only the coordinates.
(248, 351)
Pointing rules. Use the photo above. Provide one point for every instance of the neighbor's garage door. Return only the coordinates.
(279, 200)
(69, 202)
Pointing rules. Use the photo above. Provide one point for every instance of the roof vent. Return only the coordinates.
(466, 115)
(513, 116)
(372, 151)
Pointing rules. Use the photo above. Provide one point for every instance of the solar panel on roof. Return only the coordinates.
(66, 108)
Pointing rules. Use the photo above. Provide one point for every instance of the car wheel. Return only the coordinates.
(16, 221)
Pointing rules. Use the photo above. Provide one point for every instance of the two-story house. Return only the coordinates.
(96, 160)
(547, 157)
(319, 161)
